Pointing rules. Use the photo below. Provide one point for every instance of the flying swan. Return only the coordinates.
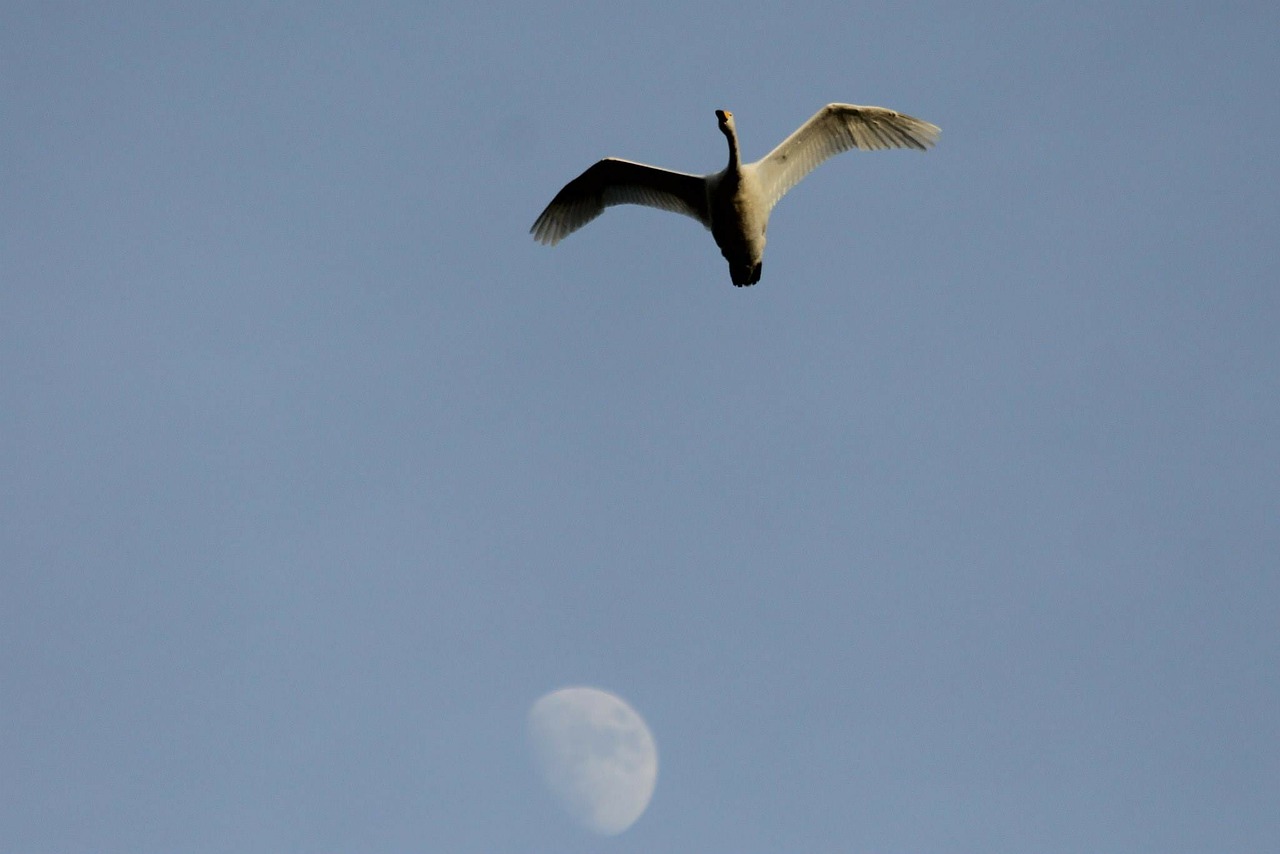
(734, 203)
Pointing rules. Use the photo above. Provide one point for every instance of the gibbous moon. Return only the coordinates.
(596, 755)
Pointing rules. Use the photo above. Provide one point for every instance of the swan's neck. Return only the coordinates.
(735, 160)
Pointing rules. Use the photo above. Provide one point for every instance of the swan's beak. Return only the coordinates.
(723, 115)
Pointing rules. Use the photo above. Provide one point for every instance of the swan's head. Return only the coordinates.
(726, 122)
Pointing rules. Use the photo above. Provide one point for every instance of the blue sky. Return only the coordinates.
(959, 532)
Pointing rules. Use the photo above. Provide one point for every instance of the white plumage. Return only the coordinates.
(734, 203)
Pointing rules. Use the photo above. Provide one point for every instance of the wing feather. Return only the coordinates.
(831, 130)
(619, 182)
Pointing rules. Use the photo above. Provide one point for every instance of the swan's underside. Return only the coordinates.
(734, 203)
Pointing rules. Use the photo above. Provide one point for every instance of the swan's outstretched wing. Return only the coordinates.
(833, 129)
(619, 182)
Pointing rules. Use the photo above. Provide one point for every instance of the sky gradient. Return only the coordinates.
(959, 532)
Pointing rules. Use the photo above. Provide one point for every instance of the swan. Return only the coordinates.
(734, 203)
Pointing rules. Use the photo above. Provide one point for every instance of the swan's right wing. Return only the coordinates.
(619, 182)
(831, 130)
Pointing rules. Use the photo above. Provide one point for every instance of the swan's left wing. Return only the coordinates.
(833, 129)
(620, 182)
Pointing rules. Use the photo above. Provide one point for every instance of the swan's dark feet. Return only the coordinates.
(743, 276)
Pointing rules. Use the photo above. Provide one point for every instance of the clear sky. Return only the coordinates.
(958, 533)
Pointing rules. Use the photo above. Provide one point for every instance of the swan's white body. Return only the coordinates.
(734, 203)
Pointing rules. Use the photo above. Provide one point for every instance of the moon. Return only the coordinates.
(596, 755)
